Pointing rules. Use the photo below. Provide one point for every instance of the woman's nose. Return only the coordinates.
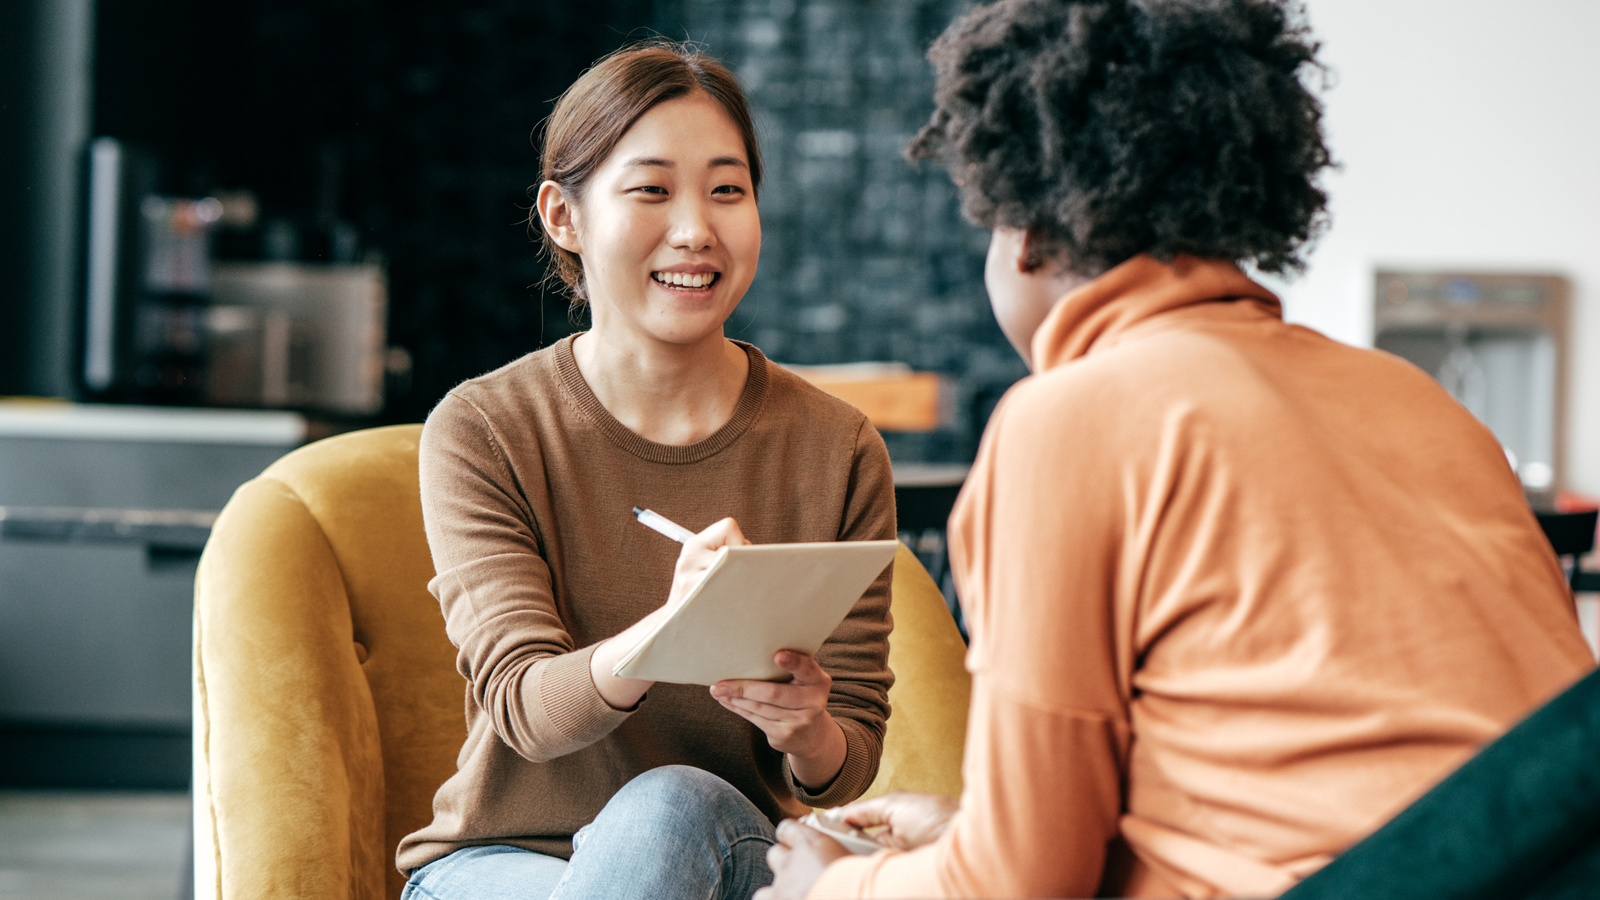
(691, 226)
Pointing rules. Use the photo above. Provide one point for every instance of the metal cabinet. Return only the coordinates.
(95, 634)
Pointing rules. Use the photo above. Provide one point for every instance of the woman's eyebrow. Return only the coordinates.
(669, 164)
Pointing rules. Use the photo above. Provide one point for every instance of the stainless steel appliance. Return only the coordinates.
(303, 335)
(146, 274)
(94, 655)
(1498, 342)
(164, 323)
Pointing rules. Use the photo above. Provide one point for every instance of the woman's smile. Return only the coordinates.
(686, 282)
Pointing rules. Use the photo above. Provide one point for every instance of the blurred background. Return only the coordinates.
(230, 228)
(395, 138)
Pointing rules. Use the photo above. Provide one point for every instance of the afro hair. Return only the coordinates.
(1112, 128)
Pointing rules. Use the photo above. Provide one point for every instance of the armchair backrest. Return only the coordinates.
(328, 707)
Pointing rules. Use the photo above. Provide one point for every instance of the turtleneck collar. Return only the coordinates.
(1099, 312)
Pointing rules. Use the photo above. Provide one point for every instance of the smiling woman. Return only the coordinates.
(597, 112)
(665, 237)
(529, 474)
(648, 209)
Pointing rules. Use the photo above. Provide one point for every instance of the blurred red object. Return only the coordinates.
(1567, 501)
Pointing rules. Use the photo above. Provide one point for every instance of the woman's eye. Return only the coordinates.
(652, 189)
(727, 189)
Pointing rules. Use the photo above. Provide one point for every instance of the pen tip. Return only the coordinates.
(637, 511)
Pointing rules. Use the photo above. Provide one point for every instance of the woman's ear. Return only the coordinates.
(1030, 258)
(557, 214)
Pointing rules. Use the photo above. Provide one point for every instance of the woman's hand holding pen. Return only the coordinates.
(697, 555)
(699, 551)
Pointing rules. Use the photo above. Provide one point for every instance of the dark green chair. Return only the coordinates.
(1519, 821)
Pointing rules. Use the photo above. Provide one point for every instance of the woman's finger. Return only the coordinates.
(803, 666)
(782, 695)
(744, 689)
(764, 718)
(787, 831)
(773, 711)
(809, 688)
(700, 550)
(719, 534)
(868, 813)
(912, 819)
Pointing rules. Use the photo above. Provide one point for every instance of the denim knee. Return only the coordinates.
(682, 793)
(672, 833)
(682, 800)
(681, 788)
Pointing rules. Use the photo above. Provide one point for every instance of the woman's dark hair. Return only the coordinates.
(1111, 128)
(593, 114)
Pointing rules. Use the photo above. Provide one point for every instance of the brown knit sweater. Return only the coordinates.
(527, 490)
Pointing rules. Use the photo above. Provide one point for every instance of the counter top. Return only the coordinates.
(25, 418)
(172, 529)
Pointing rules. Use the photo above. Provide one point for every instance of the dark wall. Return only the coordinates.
(408, 120)
(44, 75)
(864, 256)
(411, 121)
(17, 26)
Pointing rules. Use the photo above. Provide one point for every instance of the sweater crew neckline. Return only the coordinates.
(589, 405)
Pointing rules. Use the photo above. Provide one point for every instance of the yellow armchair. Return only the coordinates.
(327, 704)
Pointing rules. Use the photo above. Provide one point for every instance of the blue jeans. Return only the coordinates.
(673, 833)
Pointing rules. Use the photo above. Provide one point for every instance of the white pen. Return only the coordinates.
(659, 523)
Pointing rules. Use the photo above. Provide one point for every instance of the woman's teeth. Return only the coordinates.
(679, 279)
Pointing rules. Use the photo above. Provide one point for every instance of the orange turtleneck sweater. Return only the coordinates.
(1237, 592)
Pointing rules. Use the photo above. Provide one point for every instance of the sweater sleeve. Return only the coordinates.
(1040, 804)
(856, 655)
(495, 590)
(1047, 734)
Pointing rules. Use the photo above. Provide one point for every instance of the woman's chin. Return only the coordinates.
(682, 329)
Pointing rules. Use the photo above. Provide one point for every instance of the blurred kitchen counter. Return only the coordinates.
(105, 509)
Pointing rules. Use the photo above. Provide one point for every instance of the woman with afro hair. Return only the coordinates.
(1237, 592)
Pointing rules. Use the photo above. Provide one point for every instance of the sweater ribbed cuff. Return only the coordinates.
(861, 753)
(566, 693)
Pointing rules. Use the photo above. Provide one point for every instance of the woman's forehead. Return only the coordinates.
(693, 131)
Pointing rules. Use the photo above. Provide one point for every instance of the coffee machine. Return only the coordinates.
(164, 322)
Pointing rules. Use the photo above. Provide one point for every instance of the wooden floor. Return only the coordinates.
(74, 845)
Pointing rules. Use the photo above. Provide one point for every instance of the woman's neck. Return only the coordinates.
(674, 394)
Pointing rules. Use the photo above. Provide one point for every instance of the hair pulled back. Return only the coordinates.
(1111, 128)
(593, 114)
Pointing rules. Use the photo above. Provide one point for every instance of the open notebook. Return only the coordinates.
(754, 601)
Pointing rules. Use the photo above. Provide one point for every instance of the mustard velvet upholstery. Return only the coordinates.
(928, 720)
(327, 704)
